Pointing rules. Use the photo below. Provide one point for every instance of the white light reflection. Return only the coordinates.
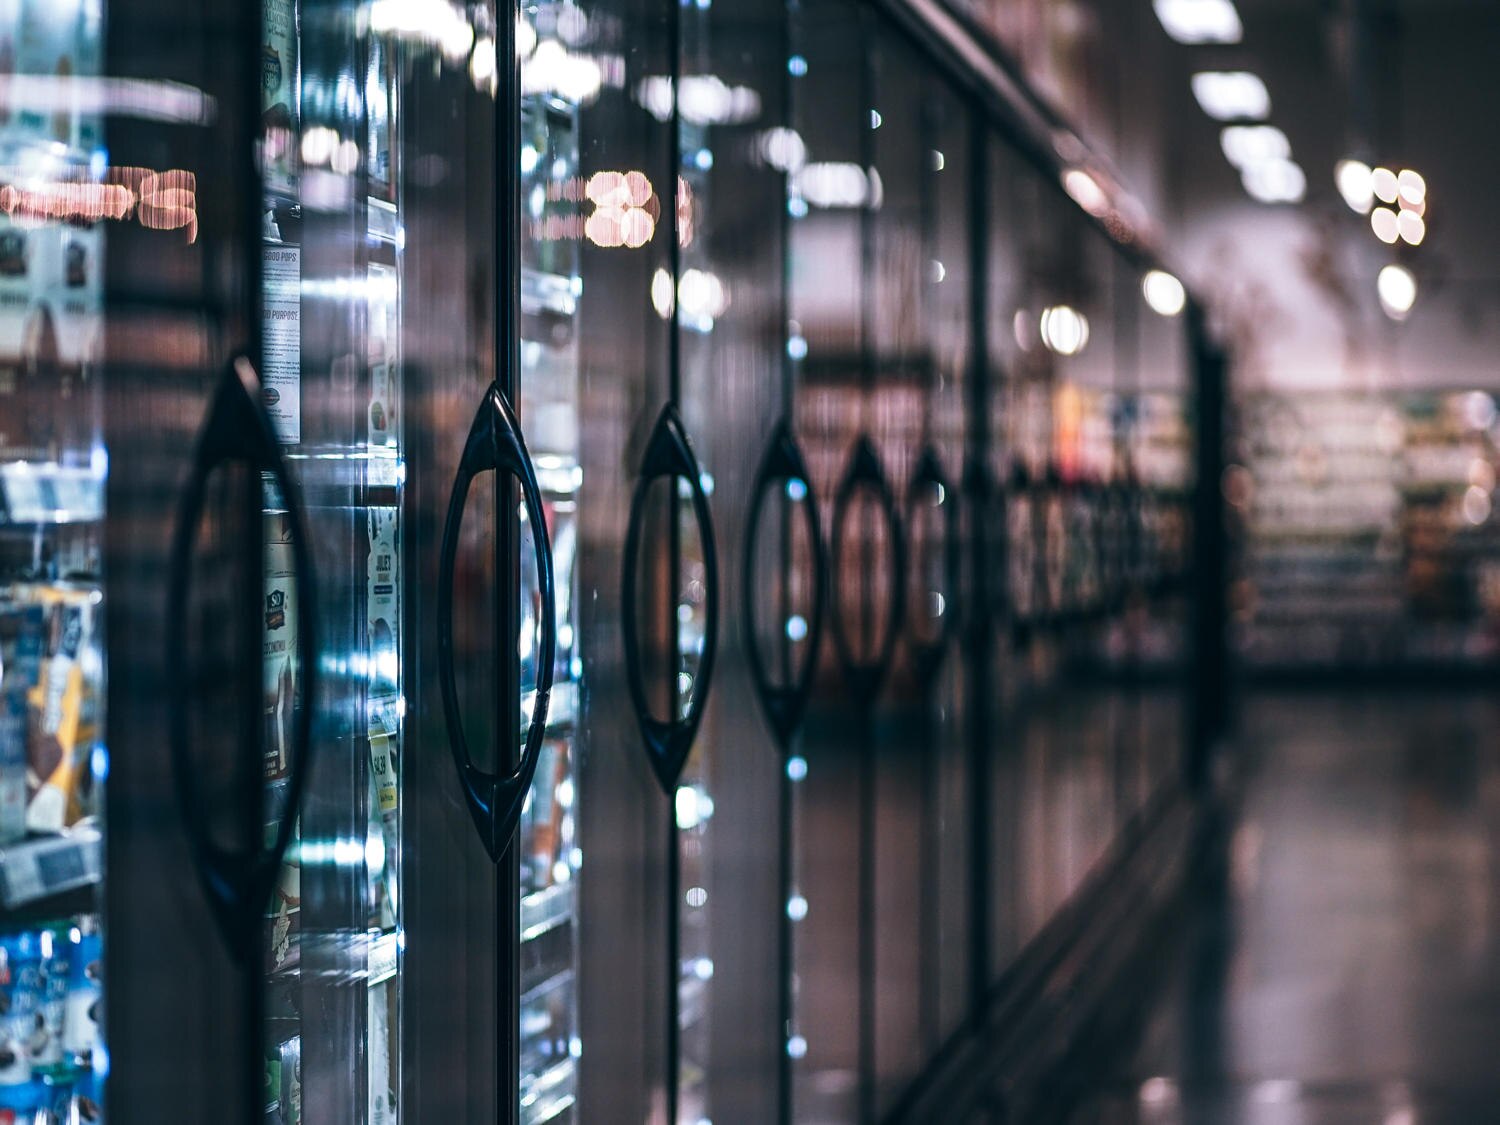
(434, 22)
(1231, 95)
(837, 184)
(1247, 145)
(553, 69)
(1064, 330)
(796, 628)
(1163, 292)
(1398, 291)
(1275, 181)
(1353, 178)
(783, 149)
(796, 768)
(1199, 21)
(796, 908)
(1386, 226)
(706, 100)
(796, 1047)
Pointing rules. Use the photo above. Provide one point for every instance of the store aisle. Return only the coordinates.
(1347, 967)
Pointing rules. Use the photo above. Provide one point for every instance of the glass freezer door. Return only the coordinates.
(52, 468)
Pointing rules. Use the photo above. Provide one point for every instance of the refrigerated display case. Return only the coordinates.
(53, 761)
(448, 395)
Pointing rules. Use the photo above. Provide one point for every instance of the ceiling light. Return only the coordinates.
(1064, 330)
(1384, 223)
(1231, 95)
(1353, 179)
(1163, 292)
(1411, 228)
(1274, 181)
(1412, 187)
(1245, 145)
(1199, 21)
(1398, 291)
(1383, 184)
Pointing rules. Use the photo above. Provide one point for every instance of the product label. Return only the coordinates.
(281, 344)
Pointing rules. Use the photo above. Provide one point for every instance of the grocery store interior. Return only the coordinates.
(749, 562)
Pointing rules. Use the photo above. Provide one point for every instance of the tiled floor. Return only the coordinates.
(1349, 968)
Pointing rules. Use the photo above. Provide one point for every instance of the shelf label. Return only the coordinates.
(281, 281)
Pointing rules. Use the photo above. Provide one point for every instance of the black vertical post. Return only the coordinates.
(1209, 609)
(507, 554)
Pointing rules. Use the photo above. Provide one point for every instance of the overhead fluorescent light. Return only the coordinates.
(1199, 21)
(1231, 95)
(1245, 145)
(1274, 181)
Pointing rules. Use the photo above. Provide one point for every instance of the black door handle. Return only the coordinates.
(238, 429)
(495, 445)
(862, 672)
(668, 742)
(928, 478)
(781, 467)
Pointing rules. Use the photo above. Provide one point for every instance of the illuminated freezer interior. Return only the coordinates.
(53, 758)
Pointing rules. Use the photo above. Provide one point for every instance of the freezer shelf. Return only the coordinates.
(384, 959)
(546, 910)
(44, 866)
(550, 1093)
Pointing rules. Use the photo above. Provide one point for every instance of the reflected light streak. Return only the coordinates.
(1085, 191)
(147, 99)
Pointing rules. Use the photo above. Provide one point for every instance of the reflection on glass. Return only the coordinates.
(558, 210)
(53, 760)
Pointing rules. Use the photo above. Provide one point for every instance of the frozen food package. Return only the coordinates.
(284, 913)
(383, 604)
(20, 1005)
(271, 1093)
(64, 706)
(22, 629)
(279, 94)
(382, 1109)
(280, 671)
(291, 1081)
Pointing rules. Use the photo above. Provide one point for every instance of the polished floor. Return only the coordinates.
(1346, 966)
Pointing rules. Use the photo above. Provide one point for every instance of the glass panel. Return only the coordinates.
(552, 190)
(829, 188)
(332, 305)
(53, 761)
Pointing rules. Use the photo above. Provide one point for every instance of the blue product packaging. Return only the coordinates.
(82, 1017)
(20, 1005)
